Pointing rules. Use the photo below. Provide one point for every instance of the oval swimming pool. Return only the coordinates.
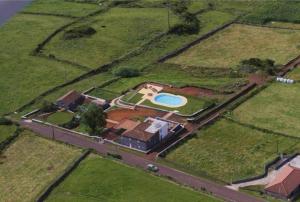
(169, 100)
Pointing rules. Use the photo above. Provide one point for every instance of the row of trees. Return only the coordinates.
(189, 23)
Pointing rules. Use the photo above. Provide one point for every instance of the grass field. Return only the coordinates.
(30, 164)
(60, 118)
(22, 75)
(6, 131)
(276, 108)
(98, 179)
(287, 25)
(64, 8)
(278, 10)
(227, 48)
(227, 151)
(119, 31)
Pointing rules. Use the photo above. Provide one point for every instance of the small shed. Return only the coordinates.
(71, 100)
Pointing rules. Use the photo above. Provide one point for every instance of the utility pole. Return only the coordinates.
(53, 133)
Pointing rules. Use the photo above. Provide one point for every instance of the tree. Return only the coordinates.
(189, 24)
(253, 65)
(94, 118)
(127, 72)
(47, 107)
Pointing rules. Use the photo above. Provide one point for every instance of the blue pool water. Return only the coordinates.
(169, 100)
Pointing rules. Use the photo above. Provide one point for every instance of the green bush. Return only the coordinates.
(47, 107)
(79, 32)
(127, 72)
(190, 24)
(253, 65)
(5, 121)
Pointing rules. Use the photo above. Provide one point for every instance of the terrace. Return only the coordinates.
(168, 98)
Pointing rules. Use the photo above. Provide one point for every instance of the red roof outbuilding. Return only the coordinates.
(286, 182)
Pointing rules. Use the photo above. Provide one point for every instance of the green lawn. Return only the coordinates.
(98, 179)
(60, 117)
(227, 151)
(29, 164)
(276, 108)
(132, 97)
(23, 76)
(119, 31)
(228, 47)
(62, 7)
(6, 131)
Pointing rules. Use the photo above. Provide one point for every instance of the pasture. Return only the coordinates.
(118, 32)
(237, 42)
(276, 108)
(226, 151)
(23, 76)
(6, 131)
(65, 8)
(30, 164)
(98, 179)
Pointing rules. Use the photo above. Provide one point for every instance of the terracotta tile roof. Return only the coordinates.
(139, 132)
(287, 180)
(70, 97)
(127, 124)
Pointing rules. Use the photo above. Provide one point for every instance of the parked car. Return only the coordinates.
(152, 168)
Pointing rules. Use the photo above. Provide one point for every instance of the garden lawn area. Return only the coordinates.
(6, 131)
(60, 117)
(105, 180)
(29, 164)
(62, 7)
(237, 42)
(23, 76)
(132, 97)
(118, 31)
(276, 108)
(226, 151)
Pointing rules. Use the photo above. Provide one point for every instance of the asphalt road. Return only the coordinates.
(137, 161)
(9, 8)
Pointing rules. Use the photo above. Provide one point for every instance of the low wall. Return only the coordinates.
(189, 45)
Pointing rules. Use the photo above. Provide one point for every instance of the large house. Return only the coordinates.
(286, 184)
(145, 135)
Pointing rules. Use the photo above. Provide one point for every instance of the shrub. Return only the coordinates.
(5, 121)
(127, 72)
(253, 65)
(73, 123)
(48, 107)
(79, 32)
(189, 22)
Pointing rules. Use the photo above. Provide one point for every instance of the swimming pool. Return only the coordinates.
(169, 100)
